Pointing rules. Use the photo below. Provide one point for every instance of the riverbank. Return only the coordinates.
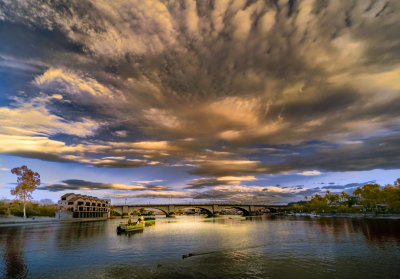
(360, 215)
(15, 221)
(345, 215)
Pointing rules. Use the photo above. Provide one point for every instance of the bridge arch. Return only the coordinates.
(117, 209)
(162, 210)
(209, 212)
(245, 211)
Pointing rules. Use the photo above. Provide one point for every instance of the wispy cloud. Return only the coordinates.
(34, 119)
(67, 82)
(309, 173)
(148, 181)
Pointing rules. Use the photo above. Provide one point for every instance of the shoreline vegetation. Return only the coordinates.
(44, 208)
(369, 199)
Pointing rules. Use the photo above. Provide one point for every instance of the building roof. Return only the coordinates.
(83, 197)
(66, 195)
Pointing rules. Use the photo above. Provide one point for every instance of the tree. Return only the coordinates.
(27, 183)
(369, 195)
(332, 199)
(391, 195)
(318, 204)
(46, 201)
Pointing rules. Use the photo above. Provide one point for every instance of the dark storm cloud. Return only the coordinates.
(39, 155)
(201, 183)
(328, 103)
(119, 164)
(205, 182)
(229, 167)
(77, 184)
(348, 186)
(374, 153)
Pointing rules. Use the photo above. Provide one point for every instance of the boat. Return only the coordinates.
(131, 226)
(149, 219)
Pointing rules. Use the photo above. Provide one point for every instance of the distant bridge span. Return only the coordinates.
(211, 209)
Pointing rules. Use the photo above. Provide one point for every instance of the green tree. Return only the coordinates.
(331, 199)
(318, 204)
(27, 183)
(391, 195)
(369, 195)
(344, 197)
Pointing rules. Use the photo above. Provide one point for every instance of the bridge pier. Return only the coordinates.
(170, 211)
(125, 210)
(215, 210)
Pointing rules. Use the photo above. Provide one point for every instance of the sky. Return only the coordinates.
(199, 101)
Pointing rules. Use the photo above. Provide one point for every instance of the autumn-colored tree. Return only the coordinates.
(27, 183)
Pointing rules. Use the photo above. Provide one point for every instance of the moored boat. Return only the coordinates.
(149, 219)
(130, 226)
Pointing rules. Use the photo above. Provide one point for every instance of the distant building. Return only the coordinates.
(81, 206)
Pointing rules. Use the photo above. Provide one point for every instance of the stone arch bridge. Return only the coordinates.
(211, 209)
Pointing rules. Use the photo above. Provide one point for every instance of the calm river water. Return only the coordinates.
(226, 247)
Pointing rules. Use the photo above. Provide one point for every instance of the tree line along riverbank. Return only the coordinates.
(33, 208)
(371, 198)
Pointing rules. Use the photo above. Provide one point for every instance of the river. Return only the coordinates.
(225, 247)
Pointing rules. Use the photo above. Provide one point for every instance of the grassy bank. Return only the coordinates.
(33, 208)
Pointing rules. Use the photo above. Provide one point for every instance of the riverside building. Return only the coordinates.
(81, 206)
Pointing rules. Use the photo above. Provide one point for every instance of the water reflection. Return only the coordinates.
(67, 235)
(129, 234)
(374, 230)
(81, 230)
(225, 247)
(13, 256)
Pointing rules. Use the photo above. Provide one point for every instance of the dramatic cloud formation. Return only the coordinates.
(76, 184)
(226, 91)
